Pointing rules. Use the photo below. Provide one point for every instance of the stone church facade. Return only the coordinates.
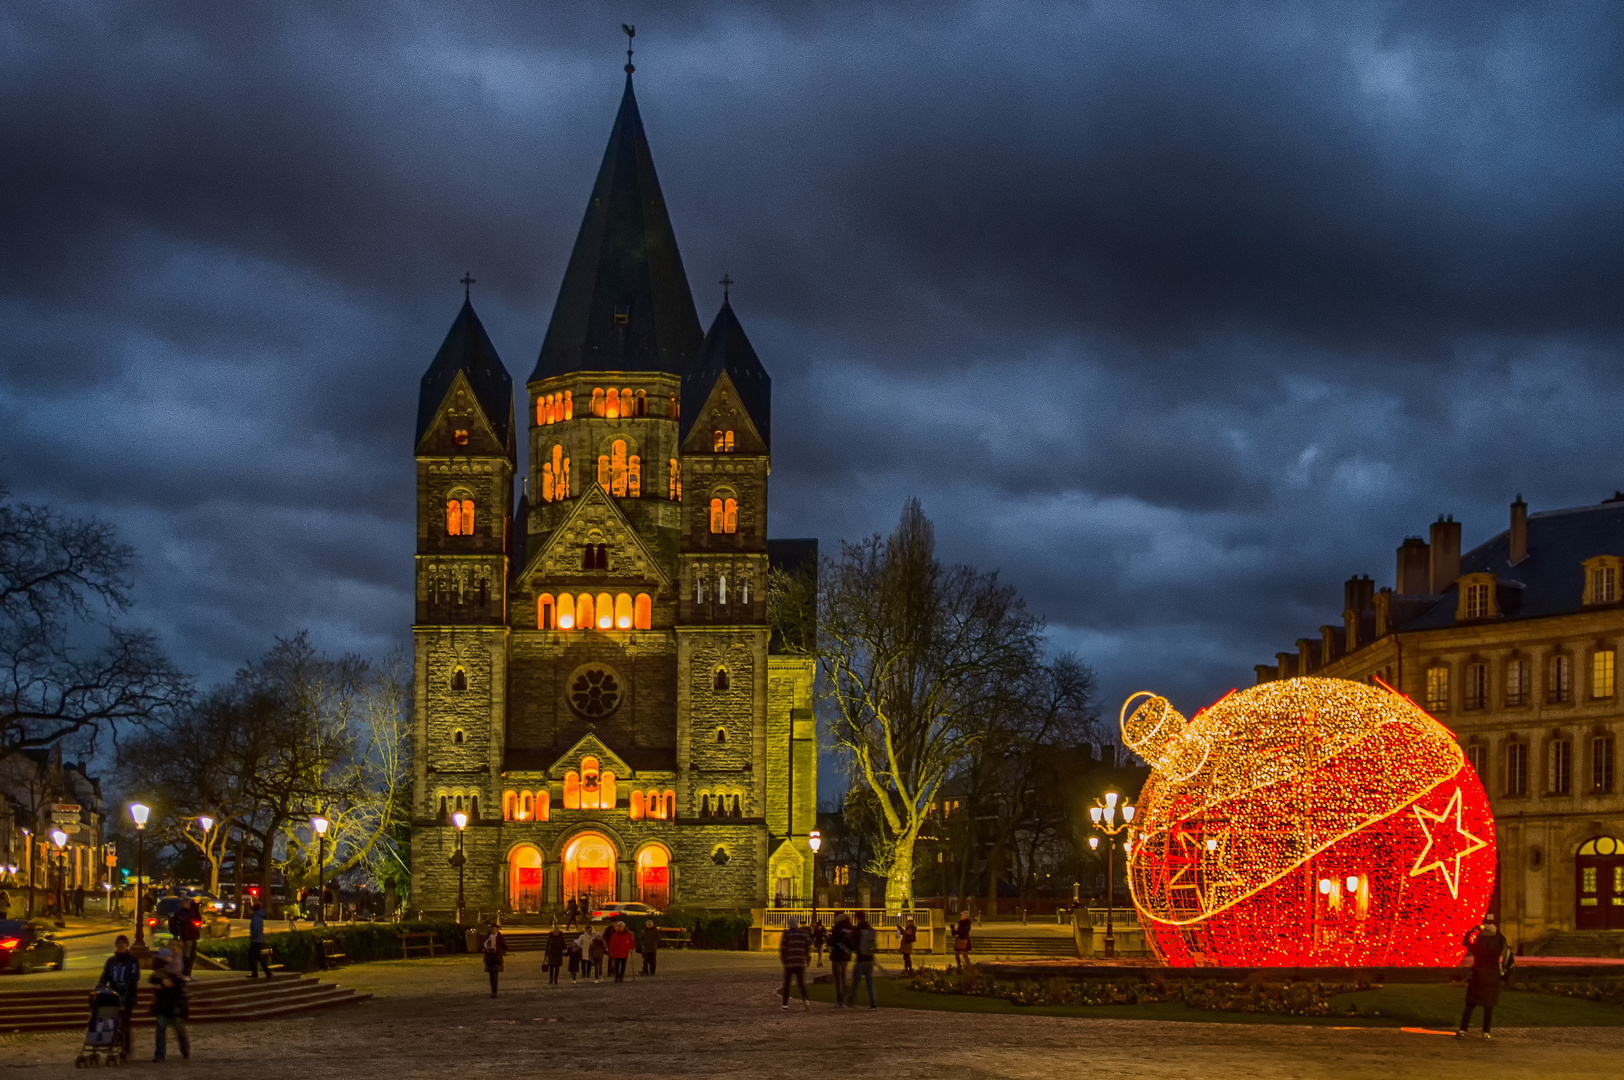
(596, 692)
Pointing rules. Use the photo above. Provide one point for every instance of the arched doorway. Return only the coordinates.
(654, 876)
(525, 879)
(1600, 870)
(589, 869)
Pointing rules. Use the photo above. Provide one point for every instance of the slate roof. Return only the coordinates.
(468, 349)
(625, 261)
(726, 348)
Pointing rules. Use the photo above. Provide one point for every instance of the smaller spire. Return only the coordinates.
(631, 32)
(467, 281)
(726, 283)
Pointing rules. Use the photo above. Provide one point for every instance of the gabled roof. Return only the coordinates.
(595, 496)
(727, 349)
(468, 349)
(625, 303)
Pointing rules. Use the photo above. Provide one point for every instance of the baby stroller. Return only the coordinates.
(104, 1042)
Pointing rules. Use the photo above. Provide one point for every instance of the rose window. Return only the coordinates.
(594, 691)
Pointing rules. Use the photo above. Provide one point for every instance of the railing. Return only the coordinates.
(768, 924)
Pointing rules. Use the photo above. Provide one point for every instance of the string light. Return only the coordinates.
(1306, 822)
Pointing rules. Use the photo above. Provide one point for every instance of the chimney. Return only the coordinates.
(1414, 567)
(1519, 531)
(1445, 554)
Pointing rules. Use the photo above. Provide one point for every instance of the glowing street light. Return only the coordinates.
(60, 839)
(138, 814)
(1104, 817)
(460, 819)
(319, 825)
(814, 840)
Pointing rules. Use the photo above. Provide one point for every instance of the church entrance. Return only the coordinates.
(525, 880)
(1600, 869)
(654, 876)
(589, 869)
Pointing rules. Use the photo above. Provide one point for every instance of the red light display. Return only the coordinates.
(1306, 822)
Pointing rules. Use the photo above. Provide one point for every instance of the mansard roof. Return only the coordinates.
(727, 349)
(468, 349)
(625, 304)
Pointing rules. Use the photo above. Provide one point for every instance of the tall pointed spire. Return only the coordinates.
(625, 304)
(468, 349)
(727, 350)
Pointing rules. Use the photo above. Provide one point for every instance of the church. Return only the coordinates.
(600, 713)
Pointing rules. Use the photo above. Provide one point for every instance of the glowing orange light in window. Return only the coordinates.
(731, 524)
(643, 612)
(623, 611)
(717, 516)
(606, 611)
(612, 406)
(566, 611)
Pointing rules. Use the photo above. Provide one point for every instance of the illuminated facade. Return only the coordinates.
(1512, 645)
(594, 685)
(1306, 822)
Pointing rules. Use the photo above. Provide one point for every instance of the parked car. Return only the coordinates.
(624, 910)
(26, 946)
(158, 917)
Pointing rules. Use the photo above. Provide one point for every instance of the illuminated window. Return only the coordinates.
(459, 680)
(1438, 689)
(459, 517)
(720, 682)
(597, 401)
(642, 403)
(654, 876)
(1477, 601)
(623, 611)
(1559, 768)
(527, 805)
(634, 476)
(730, 523)
(566, 611)
(653, 806)
(727, 443)
(1516, 682)
(1477, 686)
(643, 612)
(717, 516)
(603, 471)
(1601, 764)
(543, 415)
(1601, 673)
(543, 805)
(617, 467)
(555, 476)
(591, 784)
(606, 791)
(1516, 768)
(675, 409)
(572, 790)
(670, 810)
(569, 406)
(716, 443)
(460, 436)
(674, 481)
(1560, 687)
(546, 613)
(606, 611)
(583, 611)
(510, 805)
(636, 811)
(612, 404)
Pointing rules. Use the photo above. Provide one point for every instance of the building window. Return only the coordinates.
(597, 401)
(1560, 688)
(1438, 689)
(566, 611)
(603, 471)
(643, 612)
(459, 680)
(572, 790)
(717, 516)
(1604, 585)
(642, 403)
(1601, 764)
(636, 811)
(1477, 601)
(720, 683)
(1477, 686)
(612, 406)
(623, 611)
(583, 611)
(674, 481)
(617, 467)
(1516, 768)
(730, 516)
(674, 409)
(721, 736)
(634, 476)
(1601, 674)
(606, 611)
(1516, 683)
(1477, 756)
(1560, 779)
(459, 517)
(546, 612)
(555, 476)
(595, 557)
(460, 436)
(718, 442)
(457, 737)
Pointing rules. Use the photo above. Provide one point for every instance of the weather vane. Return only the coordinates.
(631, 32)
(467, 281)
(726, 283)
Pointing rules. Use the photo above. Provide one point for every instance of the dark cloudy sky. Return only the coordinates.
(1178, 313)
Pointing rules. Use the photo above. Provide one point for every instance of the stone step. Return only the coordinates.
(213, 1001)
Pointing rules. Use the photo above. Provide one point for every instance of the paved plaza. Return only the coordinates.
(717, 1015)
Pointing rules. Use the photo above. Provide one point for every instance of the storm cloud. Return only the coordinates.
(1176, 313)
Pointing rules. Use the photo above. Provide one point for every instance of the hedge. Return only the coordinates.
(711, 929)
(300, 950)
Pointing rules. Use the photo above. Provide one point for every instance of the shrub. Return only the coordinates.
(711, 929)
(1290, 999)
(300, 950)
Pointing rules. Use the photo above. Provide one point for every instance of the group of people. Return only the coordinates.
(852, 941)
(578, 908)
(584, 953)
(73, 899)
(121, 975)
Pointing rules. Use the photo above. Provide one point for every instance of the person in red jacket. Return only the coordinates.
(620, 945)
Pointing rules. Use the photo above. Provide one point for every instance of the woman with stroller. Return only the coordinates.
(122, 975)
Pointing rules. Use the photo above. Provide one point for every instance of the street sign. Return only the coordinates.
(63, 814)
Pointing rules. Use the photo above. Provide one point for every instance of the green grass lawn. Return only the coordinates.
(1432, 1006)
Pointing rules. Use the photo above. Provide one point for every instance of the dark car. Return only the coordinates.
(158, 917)
(26, 946)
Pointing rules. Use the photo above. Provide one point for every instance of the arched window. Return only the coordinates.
(606, 611)
(473, 807)
(597, 401)
(704, 805)
(546, 616)
(623, 611)
(674, 481)
(643, 612)
(444, 809)
(718, 517)
(675, 410)
(459, 517)
(590, 783)
(606, 791)
(637, 806)
(583, 611)
(525, 805)
(721, 736)
(656, 806)
(720, 683)
(612, 406)
(543, 805)
(572, 790)
(457, 737)
(569, 406)
(654, 876)
(617, 467)
(547, 481)
(542, 413)
(730, 522)
(626, 402)
(459, 679)
(718, 441)
(634, 476)
(566, 611)
(642, 403)
(670, 813)
(510, 804)
(727, 443)
(467, 517)
(603, 471)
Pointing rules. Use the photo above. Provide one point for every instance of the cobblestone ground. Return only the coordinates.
(717, 1015)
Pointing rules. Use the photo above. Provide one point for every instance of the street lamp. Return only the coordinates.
(320, 824)
(207, 823)
(28, 866)
(138, 814)
(1104, 817)
(457, 860)
(814, 840)
(60, 839)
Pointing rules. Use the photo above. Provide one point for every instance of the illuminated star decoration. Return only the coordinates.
(1441, 861)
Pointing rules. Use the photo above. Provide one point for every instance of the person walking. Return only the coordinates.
(792, 952)
(555, 956)
(840, 955)
(961, 940)
(169, 1006)
(494, 948)
(1491, 963)
(575, 950)
(819, 937)
(191, 929)
(867, 945)
(651, 946)
(121, 974)
(905, 939)
(570, 913)
(619, 943)
(596, 950)
(258, 951)
(79, 901)
(5, 904)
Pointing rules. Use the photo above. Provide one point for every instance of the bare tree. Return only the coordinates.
(915, 655)
(65, 668)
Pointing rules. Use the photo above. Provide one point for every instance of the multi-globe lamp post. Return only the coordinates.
(60, 839)
(814, 840)
(1104, 816)
(319, 825)
(459, 819)
(138, 814)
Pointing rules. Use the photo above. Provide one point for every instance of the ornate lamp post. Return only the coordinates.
(207, 823)
(138, 814)
(319, 824)
(1104, 817)
(460, 819)
(60, 839)
(28, 866)
(814, 840)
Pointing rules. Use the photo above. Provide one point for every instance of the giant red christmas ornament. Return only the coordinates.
(1306, 822)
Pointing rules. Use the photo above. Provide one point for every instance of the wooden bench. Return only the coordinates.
(674, 937)
(330, 956)
(420, 943)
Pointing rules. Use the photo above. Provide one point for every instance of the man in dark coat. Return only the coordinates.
(793, 948)
(555, 954)
(650, 947)
(1491, 962)
(122, 975)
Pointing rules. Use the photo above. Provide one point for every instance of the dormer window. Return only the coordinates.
(1477, 598)
(1477, 601)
